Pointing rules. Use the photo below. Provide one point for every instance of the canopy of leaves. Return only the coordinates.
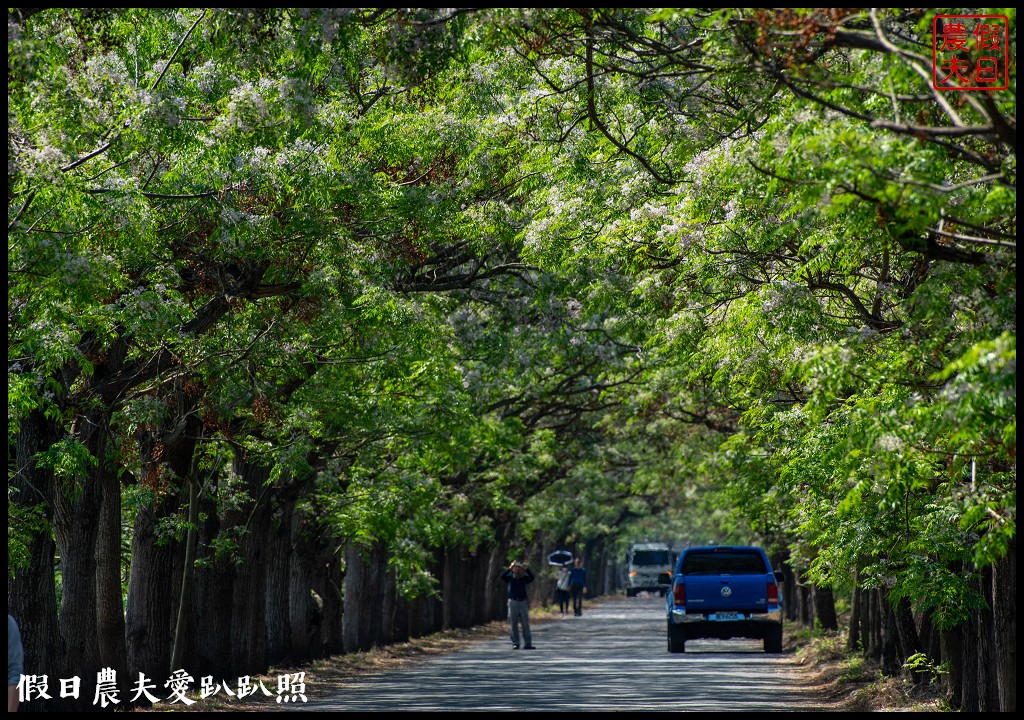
(715, 276)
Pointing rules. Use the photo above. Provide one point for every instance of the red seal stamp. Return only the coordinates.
(970, 52)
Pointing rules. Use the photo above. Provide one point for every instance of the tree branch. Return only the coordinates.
(178, 49)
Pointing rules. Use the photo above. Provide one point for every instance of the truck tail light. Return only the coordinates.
(632, 573)
(773, 594)
(679, 593)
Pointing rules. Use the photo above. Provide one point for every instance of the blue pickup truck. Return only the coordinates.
(724, 592)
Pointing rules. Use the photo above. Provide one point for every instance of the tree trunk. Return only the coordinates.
(150, 611)
(598, 557)
(891, 663)
(327, 584)
(389, 606)
(402, 614)
(878, 619)
(455, 588)
(376, 584)
(1004, 612)
(449, 594)
(968, 658)
(76, 519)
(988, 680)
(853, 638)
(824, 608)
(358, 635)
(248, 611)
(208, 631)
(279, 565)
(608, 571)
(110, 614)
(95, 534)
(806, 612)
(869, 621)
(305, 613)
(187, 574)
(472, 576)
(434, 618)
(931, 639)
(493, 595)
(790, 595)
(31, 590)
(495, 592)
(953, 651)
(414, 617)
(155, 582)
(909, 642)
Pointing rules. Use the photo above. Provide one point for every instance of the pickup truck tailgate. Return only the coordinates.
(737, 592)
(723, 592)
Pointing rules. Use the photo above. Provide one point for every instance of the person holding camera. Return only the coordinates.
(518, 576)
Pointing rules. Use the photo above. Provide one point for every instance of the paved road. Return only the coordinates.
(613, 658)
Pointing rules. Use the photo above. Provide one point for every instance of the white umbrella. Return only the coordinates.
(559, 557)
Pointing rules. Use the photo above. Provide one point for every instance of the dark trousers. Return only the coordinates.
(562, 596)
(576, 591)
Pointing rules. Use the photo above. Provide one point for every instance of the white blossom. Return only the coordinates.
(890, 443)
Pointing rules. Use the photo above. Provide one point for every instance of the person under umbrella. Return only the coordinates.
(562, 576)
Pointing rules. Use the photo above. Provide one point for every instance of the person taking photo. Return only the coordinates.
(518, 576)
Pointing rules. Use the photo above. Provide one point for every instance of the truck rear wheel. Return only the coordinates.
(676, 638)
(773, 640)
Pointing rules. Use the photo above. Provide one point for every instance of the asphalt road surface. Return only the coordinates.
(612, 659)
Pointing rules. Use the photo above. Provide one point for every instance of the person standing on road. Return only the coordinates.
(577, 586)
(518, 576)
(562, 587)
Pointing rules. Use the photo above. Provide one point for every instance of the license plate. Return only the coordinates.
(727, 616)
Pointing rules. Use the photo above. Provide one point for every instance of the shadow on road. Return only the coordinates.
(613, 658)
